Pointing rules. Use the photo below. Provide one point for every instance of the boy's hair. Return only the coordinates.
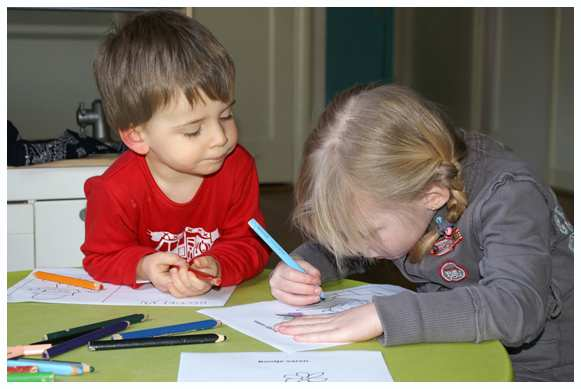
(375, 145)
(144, 64)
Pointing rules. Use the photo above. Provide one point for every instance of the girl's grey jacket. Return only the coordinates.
(510, 278)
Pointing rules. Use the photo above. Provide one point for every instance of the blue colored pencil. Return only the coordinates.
(273, 244)
(56, 367)
(84, 339)
(168, 330)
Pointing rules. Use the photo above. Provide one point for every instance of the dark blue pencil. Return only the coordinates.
(84, 339)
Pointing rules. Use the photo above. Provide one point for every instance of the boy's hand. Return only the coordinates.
(155, 268)
(185, 283)
(293, 287)
(353, 325)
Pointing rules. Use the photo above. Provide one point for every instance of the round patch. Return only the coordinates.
(450, 271)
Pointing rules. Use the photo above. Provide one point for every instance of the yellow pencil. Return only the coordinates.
(94, 285)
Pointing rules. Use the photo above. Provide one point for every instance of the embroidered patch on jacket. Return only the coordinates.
(450, 271)
(447, 242)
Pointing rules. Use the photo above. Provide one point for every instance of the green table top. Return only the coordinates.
(28, 322)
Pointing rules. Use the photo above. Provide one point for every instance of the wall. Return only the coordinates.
(504, 71)
(49, 61)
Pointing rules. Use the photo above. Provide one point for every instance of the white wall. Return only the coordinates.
(49, 60)
(511, 75)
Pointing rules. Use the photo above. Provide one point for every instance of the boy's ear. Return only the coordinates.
(436, 196)
(134, 140)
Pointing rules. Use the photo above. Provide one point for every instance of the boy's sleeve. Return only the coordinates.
(239, 251)
(111, 249)
(510, 302)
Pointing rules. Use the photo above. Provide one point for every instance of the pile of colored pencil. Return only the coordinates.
(56, 343)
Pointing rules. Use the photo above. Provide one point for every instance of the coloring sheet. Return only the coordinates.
(325, 366)
(34, 290)
(257, 320)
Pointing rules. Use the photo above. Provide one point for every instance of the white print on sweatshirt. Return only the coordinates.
(188, 244)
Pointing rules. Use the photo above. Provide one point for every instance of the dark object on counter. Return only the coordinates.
(70, 145)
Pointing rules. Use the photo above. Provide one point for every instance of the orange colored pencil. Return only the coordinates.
(94, 285)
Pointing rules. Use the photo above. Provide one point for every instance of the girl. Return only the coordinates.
(386, 177)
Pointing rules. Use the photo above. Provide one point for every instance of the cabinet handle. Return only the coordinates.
(82, 214)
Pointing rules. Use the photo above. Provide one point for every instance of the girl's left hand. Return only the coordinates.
(353, 325)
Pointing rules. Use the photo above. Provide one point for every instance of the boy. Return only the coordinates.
(182, 195)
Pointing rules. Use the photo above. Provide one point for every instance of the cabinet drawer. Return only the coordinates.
(60, 232)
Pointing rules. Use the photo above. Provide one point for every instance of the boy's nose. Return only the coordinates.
(219, 138)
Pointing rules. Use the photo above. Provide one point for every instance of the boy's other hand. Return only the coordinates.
(155, 268)
(185, 283)
(293, 287)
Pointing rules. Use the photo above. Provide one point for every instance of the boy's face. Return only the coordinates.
(190, 140)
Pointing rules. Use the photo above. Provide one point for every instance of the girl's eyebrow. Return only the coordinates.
(200, 119)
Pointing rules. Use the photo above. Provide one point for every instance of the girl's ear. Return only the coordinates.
(436, 196)
(134, 140)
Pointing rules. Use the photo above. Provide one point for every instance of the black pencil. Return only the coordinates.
(155, 341)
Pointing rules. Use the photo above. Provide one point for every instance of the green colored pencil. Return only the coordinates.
(31, 377)
(76, 331)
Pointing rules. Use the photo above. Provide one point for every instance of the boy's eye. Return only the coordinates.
(227, 116)
(192, 134)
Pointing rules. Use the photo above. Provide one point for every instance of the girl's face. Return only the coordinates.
(398, 230)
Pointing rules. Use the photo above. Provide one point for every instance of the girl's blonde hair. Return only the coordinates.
(380, 143)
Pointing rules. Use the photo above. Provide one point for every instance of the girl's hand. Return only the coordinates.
(353, 325)
(292, 287)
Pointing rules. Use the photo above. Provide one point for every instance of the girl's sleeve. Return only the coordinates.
(510, 302)
(111, 248)
(239, 251)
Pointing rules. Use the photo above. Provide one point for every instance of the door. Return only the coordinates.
(269, 47)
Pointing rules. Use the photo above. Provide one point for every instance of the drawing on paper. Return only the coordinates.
(57, 292)
(33, 289)
(303, 376)
(342, 301)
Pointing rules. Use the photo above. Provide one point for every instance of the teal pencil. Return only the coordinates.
(56, 367)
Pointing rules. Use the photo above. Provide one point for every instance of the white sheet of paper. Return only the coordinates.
(34, 290)
(257, 320)
(327, 366)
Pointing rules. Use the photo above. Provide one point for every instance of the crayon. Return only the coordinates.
(155, 342)
(87, 284)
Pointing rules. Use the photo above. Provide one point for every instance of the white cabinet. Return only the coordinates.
(20, 242)
(59, 232)
(46, 212)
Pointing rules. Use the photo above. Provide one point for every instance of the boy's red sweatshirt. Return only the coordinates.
(128, 217)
